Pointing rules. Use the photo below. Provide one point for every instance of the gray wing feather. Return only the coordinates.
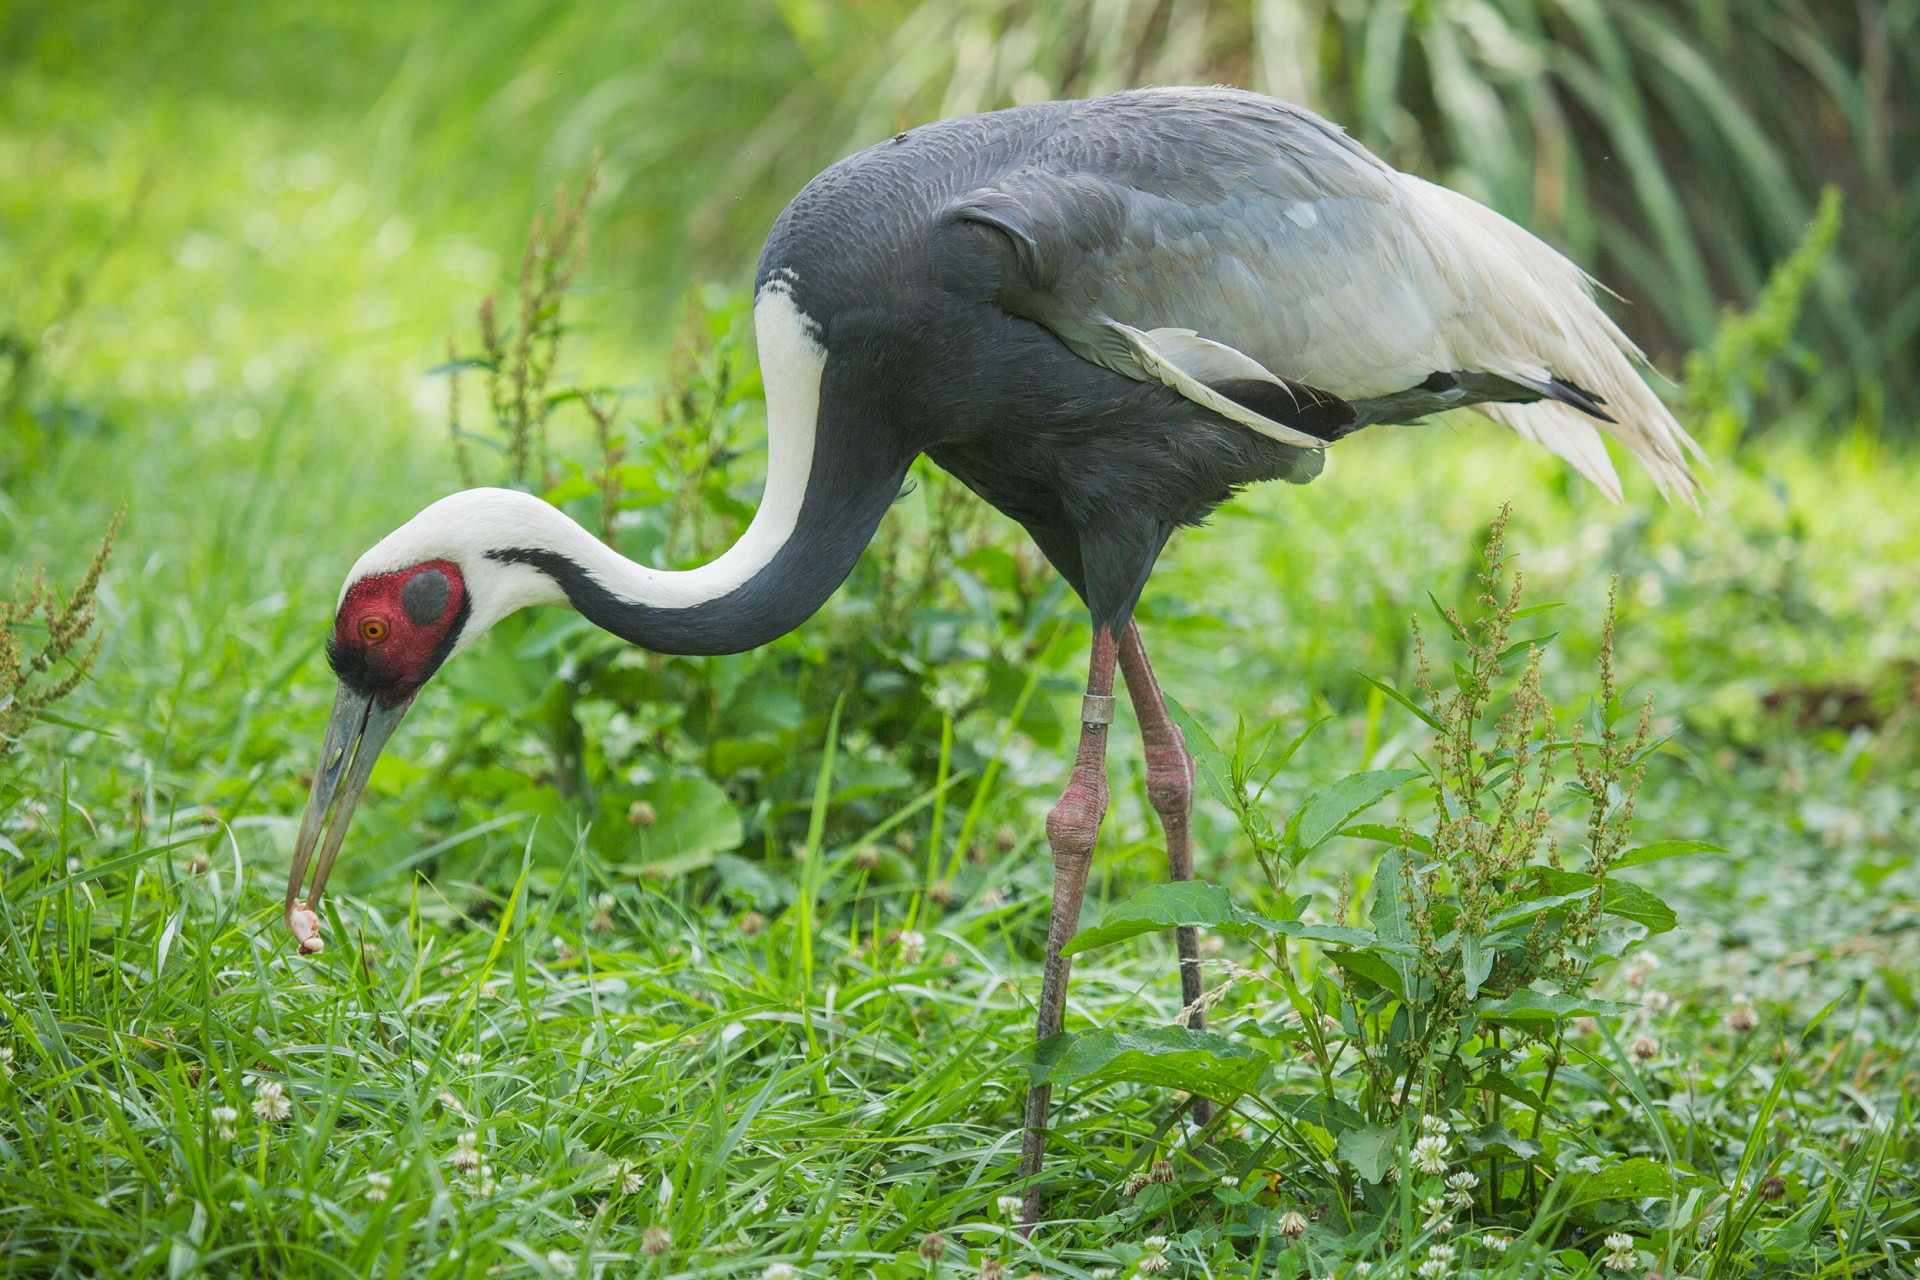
(1151, 230)
(1254, 226)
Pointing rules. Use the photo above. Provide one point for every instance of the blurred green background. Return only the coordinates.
(235, 240)
(1675, 147)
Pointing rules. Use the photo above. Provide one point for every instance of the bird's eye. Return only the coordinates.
(373, 630)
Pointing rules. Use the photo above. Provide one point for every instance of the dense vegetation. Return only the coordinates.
(727, 965)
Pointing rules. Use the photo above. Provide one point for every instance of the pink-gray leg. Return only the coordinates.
(1073, 825)
(1170, 775)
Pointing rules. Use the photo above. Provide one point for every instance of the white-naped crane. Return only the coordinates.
(1104, 317)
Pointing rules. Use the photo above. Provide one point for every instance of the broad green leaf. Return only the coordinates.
(1385, 834)
(1621, 898)
(1170, 1057)
(1370, 1151)
(1507, 1087)
(1521, 646)
(1392, 918)
(1333, 1115)
(1195, 902)
(1209, 761)
(569, 489)
(1528, 910)
(1165, 906)
(1497, 1140)
(1373, 967)
(1476, 962)
(1330, 808)
(1664, 849)
(1338, 935)
(1629, 1180)
(1539, 1006)
(695, 821)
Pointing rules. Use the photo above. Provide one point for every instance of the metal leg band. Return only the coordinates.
(1096, 709)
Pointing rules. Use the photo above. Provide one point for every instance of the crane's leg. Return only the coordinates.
(1170, 775)
(1073, 825)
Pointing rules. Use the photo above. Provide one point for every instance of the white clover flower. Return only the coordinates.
(1153, 1264)
(1438, 1219)
(1742, 1017)
(655, 1241)
(1363, 1269)
(631, 1179)
(1646, 1048)
(1431, 1269)
(270, 1101)
(913, 947)
(780, 1271)
(1008, 1206)
(1460, 1189)
(1229, 1180)
(561, 1261)
(1154, 1244)
(467, 1058)
(1495, 1243)
(1433, 1126)
(1444, 1252)
(224, 1119)
(466, 1153)
(1291, 1224)
(1619, 1252)
(1430, 1155)
(6, 1060)
(378, 1184)
(1103, 1273)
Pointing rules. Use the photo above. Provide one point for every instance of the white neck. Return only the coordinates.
(463, 527)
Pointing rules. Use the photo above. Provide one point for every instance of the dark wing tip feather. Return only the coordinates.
(1569, 393)
(1295, 404)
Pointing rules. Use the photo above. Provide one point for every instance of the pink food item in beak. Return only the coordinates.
(305, 924)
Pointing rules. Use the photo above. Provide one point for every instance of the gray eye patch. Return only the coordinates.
(425, 597)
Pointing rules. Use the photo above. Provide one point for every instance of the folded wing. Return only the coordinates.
(1259, 262)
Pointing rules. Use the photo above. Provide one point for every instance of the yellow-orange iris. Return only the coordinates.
(373, 630)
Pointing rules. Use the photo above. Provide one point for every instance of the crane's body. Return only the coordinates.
(1103, 317)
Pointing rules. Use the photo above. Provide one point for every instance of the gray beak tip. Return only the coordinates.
(359, 727)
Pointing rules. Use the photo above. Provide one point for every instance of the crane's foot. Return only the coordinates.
(1170, 778)
(1073, 825)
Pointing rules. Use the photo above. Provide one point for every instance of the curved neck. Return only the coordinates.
(830, 481)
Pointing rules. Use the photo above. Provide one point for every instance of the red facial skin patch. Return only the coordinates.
(394, 629)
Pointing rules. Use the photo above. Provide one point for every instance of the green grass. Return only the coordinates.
(630, 1052)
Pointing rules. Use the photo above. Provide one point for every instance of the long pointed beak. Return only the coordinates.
(356, 732)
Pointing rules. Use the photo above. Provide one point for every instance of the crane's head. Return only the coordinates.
(392, 631)
(418, 597)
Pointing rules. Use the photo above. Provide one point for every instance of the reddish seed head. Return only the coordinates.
(395, 629)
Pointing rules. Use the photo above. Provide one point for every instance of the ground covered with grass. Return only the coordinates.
(727, 965)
